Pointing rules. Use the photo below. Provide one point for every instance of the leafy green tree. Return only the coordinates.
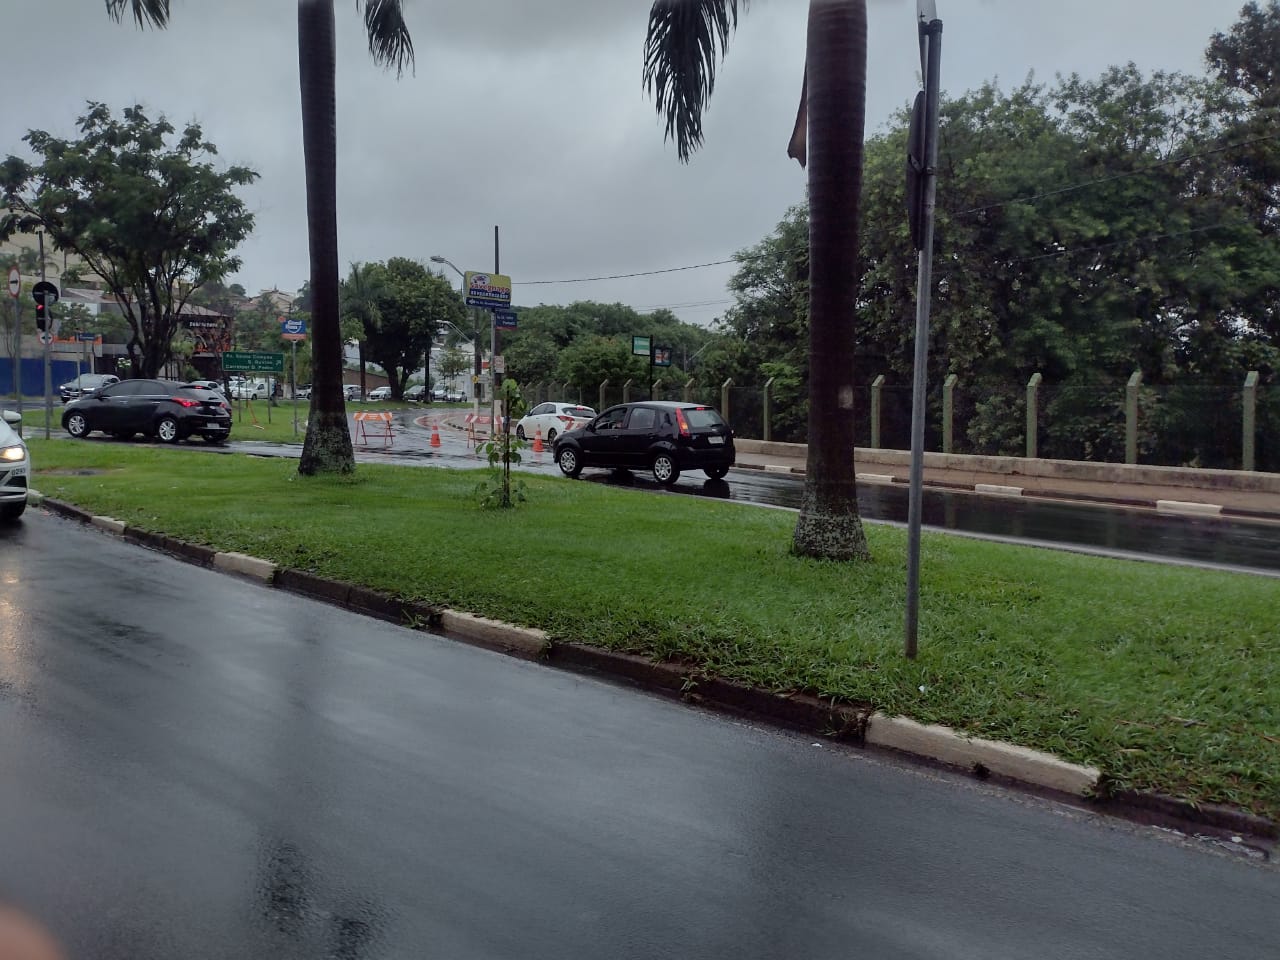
(451, 364)
(327, 447)
(409, 306)
(680, 61)
(153, 219)
(590, 360)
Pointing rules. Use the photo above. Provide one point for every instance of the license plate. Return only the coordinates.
(716, 440)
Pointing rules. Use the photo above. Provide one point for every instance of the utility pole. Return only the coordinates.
(48, 348)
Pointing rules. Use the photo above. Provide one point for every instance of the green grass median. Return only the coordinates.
(1167, 678)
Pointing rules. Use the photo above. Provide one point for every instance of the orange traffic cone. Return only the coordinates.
(435, 433)
(537, 441)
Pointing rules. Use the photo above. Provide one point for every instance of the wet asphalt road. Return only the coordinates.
(195, 766)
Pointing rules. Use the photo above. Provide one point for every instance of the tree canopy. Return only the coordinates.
(154, 218)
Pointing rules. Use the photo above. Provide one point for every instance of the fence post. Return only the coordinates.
(1248, 447)
(567, 387)
(768, 387)
(536, 389)
(688, 388)
(724, 399)
(603, 385)
(948, 411)
(1033, 415)
(657, 385)
(877, 387)
(626, 392)
(1131, 417)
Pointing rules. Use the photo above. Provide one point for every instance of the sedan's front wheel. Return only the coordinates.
(77, 425)
(568, 461)
(520, 432)
(665, 470)
(167, 430)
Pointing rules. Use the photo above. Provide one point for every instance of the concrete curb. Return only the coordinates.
(853, 723)
(981, 756)
(999, 489)
(246, 565)
(1188, 507)
(109, 524)
(495, 635)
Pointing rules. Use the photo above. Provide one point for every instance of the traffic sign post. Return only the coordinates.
(45, 295)
(15, 290)
(245, 361)
(294, 330)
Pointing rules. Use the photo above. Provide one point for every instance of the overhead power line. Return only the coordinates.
(639, 273)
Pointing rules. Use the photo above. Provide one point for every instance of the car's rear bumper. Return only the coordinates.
(710, 457)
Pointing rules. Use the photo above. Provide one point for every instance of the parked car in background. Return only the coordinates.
(250, 390)
(85, 383)
(380, 393)
(211, 385)
(164, 409)
(351, 391)
(15, 468)
(415, 394)
(553, 419)
(663, 437)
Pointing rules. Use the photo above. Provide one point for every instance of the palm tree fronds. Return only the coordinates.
(680, 55)
(154, 12)
(389, 42)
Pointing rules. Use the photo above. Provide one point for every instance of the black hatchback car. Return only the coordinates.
(165, 409)
(663, 437)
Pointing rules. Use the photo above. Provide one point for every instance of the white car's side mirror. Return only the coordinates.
(12, 417)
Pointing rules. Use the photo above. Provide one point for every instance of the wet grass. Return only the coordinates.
(1167, 678)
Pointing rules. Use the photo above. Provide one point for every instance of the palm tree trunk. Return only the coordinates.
(829, 526)
(327, 448)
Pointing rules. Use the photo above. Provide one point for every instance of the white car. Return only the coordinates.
(250, 390)
(15, 469)
(553, 419)
(380, 393)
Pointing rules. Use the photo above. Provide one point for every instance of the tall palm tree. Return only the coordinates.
(327, 448)
(685, 39)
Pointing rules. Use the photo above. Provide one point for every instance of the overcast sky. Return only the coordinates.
(530, 114)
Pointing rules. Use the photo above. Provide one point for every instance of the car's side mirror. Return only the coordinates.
(12, 417)
(591, 427)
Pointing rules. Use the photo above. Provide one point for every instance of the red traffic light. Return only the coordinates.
(42, 316)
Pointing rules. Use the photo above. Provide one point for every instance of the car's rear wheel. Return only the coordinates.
(12, 511)
(77, 425)
(567, 460)
(716, 473)
(665, 470)
(520, 432)
(551, 435)
(167, 430)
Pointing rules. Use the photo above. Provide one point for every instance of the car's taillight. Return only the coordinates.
(183, 401)
(563, 419)
(682, 422)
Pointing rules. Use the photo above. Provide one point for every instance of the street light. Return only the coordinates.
(475, 341)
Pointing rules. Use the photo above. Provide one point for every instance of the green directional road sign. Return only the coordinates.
(242, 361)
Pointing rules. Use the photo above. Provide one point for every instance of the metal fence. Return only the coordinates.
(1224, 426)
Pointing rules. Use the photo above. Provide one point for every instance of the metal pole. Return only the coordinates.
(17, 349)
(493, 338)
(293, 383)
(48, 347)
(924, 291)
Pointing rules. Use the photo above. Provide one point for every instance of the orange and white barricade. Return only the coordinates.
(475, 420)
(373, 425)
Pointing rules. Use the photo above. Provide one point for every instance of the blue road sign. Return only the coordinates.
(87, 337)
(504, 319)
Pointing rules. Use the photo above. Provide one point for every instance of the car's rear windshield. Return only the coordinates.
(701, 417)
(585, 412)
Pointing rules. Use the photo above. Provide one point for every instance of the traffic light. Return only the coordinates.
(42, 315)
